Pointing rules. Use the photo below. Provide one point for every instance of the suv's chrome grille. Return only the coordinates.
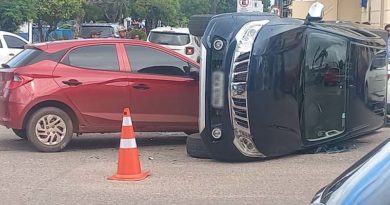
(240, 77)
(240, 112)
(242, 123)
(238, 88)
(243, 66)
(239, 102)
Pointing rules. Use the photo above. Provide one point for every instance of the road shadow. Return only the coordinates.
(98, 141)
(16, 143)
(112, 141)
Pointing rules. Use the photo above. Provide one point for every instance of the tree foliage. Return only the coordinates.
(51, 12)
(155, 10)
(14, 13)
(267, 5)
(111, 11)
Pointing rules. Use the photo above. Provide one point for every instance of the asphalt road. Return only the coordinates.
(78, 175)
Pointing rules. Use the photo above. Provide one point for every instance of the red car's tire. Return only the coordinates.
(20, 133)
(49, 129)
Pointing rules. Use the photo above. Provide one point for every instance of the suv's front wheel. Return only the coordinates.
(49, 129)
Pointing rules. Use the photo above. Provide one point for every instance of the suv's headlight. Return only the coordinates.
(247, 34)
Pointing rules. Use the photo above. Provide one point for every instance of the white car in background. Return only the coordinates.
(10, 45)
(177, 39)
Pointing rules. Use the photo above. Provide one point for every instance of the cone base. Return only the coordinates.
(134, 177)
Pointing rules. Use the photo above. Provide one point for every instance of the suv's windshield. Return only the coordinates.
(169, 38)
(105, 31)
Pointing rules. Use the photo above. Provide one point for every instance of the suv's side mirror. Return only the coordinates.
(316, 13)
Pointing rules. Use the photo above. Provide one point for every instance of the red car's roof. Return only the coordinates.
(54, 46)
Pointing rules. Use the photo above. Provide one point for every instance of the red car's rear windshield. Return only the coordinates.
(31, 56)
(23, 58)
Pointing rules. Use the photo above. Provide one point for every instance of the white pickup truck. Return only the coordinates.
(10, 45)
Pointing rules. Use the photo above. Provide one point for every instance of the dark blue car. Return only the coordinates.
(367, 182)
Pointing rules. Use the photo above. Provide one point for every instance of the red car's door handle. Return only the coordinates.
(141, 86)
(72, 82)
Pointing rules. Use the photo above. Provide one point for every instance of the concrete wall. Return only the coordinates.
(347, 10)
(374, 10)
(301, 7)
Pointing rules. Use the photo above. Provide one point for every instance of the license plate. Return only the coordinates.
(217, 81)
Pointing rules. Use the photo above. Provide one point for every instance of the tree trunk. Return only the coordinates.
(53, 27)
(214, 6)
(40, 30)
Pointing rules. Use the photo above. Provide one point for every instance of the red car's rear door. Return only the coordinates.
(162, 95)
(93, 79)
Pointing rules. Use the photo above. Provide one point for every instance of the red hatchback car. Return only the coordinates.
(52, 90)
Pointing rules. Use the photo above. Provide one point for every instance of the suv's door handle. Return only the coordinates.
(72, 82)
(11, 54)
(141, 86)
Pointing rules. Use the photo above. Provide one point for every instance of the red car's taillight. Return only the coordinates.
(17, 81)
(190, 50)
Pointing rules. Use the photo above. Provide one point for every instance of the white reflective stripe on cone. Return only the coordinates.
(128, 143)
(127, 121)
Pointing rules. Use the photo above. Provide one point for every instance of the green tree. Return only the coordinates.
(14, 13)
(189, 8)
(93, 12)
(111, 10)
(222, 6)
(267, 5)
(51, 12)
(155, 10)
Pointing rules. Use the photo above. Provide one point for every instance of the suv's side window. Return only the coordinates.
(99, 57)
(13, 42)
(152, 61)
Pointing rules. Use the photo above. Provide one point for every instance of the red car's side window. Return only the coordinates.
(98, 57)
(151, 61)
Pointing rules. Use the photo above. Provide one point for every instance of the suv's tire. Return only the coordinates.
(49, 129)
(198, 24)
(20, 133)
(196, 148)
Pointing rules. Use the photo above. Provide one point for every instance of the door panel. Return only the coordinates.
(162, 96)
(325, 86)
(161, 103)
(99, 95)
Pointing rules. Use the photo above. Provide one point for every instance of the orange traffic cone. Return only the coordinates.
(129, 167)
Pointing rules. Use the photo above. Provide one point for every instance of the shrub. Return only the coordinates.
(139, 32)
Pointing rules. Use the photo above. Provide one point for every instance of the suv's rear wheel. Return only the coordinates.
(49, 129)
(20, 133)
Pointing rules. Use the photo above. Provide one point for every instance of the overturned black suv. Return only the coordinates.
(271, 86)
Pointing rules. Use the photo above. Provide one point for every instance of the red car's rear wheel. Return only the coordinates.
(49, 129)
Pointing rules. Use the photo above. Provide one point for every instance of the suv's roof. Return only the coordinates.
(171, 29)
(351, 30)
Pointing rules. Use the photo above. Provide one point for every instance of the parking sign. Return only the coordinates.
(249, 5)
